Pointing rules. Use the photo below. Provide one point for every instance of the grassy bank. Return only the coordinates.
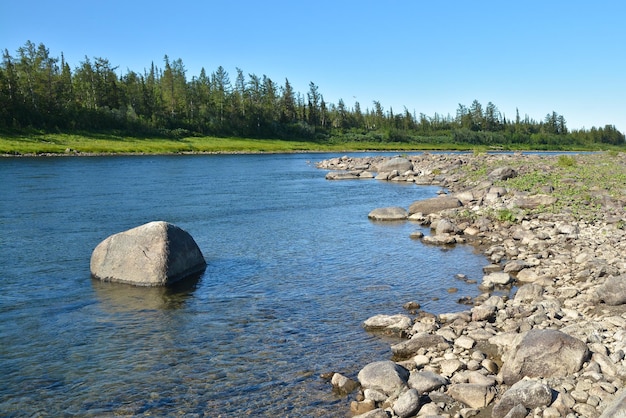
(109, 144)
(42, 144)
(587, 186)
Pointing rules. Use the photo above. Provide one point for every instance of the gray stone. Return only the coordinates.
(444, 226)
(535, 201)
(154, 254)
(374, 395)
(472, 395)
(383, 376)
(464, 342)
(514, 266)
(400, 164)
(433, 205)
(426, 381)
(376, 413)
(394, 213)
(407, 404)
(342, 175)
(502, 173)
(518, 411)
(527, 275)
(483, 313)
(528, 293)
(529, 393)
(544, 353)
(613, 291)
(617, 408)
(410, 347)
(444, 239)
(499, 278)
(343, 384)
(387, 322)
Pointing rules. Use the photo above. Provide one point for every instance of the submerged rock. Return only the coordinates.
(393, 213)
(154, 254)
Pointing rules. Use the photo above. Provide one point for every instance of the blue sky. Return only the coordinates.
(539, 56)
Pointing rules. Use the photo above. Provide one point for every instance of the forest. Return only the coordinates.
(44, 93)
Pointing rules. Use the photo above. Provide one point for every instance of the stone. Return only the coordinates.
(529, 393)
(343, 384)
(449, 367)
(514, 266)
(407, 404)
(393, 213)
(498, 278)
(387, 322)
(431, 409)
(376, 413)
(535, 201)
(444, 226)
(527, 275)
(613, 291)
(342, 175)
(410, 347)
(154, 254)
(444, 239)
(530, 292)
(544, 353)
(374, 395)
(400, 164)
(383, 376)
(481, 379)
(426, 381)
(502, 173)
(472, 395)
(363, 408)
(518, 411)
(617, 408)
(464, 342)
(416, 235)
(606, 365)
(483, 313)
(434, 205)
(411, 306)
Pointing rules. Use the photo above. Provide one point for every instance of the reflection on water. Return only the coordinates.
(294, 268)
(118, 297)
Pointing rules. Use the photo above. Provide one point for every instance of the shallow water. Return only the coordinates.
(294, 268)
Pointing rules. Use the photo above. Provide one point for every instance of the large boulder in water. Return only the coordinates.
(155, 254)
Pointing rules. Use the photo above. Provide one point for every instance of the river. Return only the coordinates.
(294, 268)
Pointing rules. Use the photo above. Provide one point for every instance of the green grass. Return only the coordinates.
(578, 182)
(36, 143)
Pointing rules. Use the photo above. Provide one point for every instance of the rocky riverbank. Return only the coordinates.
(553, 228)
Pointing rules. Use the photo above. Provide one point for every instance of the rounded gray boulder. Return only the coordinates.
(154, 254)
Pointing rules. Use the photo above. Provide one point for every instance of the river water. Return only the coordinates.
(294, 268)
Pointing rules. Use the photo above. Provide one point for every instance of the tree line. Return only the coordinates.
(39, 91)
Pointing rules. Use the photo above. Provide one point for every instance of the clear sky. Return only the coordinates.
(538, 56)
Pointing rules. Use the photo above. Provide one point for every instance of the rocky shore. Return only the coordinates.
(553, 228)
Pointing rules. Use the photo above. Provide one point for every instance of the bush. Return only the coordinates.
(566, 161)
